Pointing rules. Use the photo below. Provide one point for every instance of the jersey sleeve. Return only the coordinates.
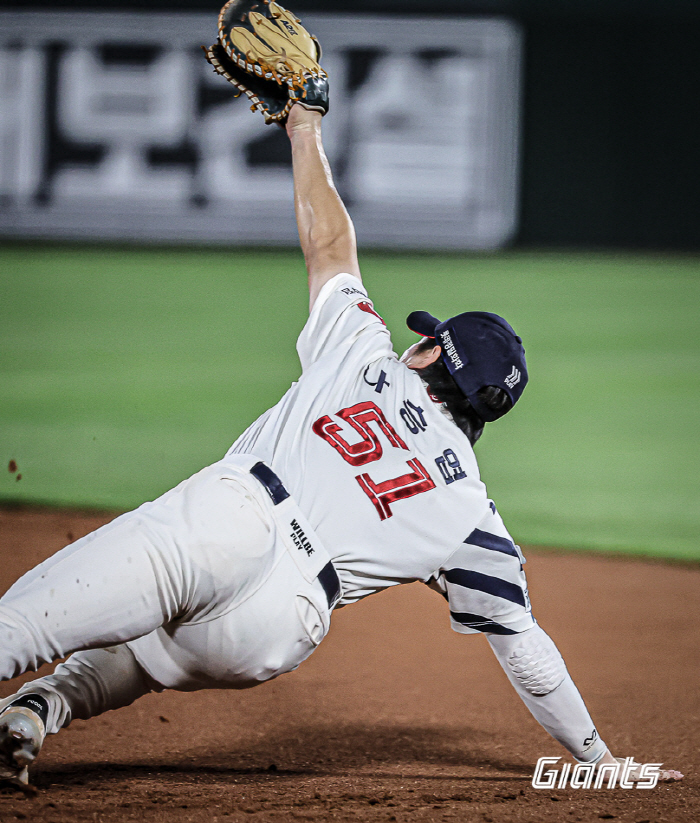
(343, 316)
(484, 582)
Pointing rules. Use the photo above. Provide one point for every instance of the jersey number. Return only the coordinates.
(360, 417)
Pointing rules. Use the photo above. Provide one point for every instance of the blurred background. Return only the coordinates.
(538, 159)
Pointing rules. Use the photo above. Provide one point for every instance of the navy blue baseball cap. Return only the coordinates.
(479, 349)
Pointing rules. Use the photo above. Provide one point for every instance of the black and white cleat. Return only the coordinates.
(22, 733)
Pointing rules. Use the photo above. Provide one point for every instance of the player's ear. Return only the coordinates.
(434, 355)
(424, 357)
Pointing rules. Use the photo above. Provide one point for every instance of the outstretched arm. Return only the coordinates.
(536, 670)
(326, 232)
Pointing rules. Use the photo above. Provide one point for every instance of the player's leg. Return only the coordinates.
(106, 588)
(235, 645)
(270, 633)
(191, 550)
(87, 684)
(195, 553)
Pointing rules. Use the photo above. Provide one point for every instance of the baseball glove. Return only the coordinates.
(270, 57)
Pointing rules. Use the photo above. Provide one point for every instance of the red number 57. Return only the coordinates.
(361, 417)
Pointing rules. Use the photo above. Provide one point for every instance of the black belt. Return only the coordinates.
(327, 577)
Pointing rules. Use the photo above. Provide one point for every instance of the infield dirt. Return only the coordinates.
(395, 717)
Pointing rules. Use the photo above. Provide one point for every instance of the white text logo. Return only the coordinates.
(450, 350)
(626, 774)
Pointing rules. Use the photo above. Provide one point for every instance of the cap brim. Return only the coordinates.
(423, 323)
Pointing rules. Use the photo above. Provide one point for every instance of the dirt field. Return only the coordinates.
(395, 717)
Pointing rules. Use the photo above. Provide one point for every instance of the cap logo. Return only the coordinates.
(451, 351)
(513, 378)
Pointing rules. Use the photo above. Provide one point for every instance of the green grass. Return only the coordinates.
(123, 371)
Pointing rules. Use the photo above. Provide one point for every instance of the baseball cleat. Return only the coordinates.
(22, 734)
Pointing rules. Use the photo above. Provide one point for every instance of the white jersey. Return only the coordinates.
(389, 483)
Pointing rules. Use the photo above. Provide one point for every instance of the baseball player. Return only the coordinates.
(362, 477)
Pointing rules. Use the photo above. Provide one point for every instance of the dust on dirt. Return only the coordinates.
(395, 717)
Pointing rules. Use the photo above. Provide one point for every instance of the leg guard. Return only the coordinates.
(537, 672)
(87, 684)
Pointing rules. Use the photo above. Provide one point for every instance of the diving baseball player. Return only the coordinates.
(362, 477)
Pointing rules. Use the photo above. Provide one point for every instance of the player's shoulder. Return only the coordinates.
(343, 320)
(341, 305)
(344, 288)
(344, 291)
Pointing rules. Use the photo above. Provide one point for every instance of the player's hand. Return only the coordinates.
(263, 50)
(669, 775)
(665, 775)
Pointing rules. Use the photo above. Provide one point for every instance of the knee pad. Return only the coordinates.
(535, 662)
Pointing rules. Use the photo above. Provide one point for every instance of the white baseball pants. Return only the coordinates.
(197, 584)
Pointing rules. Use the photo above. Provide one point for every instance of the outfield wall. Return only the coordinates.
(112, 126)
(608, 99)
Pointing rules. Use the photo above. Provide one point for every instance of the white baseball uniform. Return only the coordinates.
(225, 581)
(388, 481)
